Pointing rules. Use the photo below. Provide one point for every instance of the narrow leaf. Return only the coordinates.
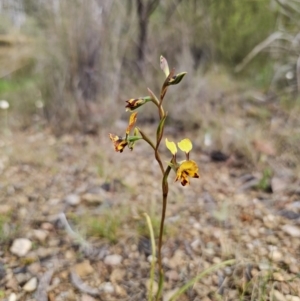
(176, 79)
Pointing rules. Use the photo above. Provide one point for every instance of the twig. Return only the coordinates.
(42, 289)
(81, 286)
(261, 46)
(71, 232)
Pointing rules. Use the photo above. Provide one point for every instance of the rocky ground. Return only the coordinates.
(71, 225)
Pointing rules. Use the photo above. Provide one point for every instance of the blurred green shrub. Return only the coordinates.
(86, 50)
(237, 26)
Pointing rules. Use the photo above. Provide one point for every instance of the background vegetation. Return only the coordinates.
(71, 63)
(66, 69)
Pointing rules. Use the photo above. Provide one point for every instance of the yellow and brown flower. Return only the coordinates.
(135, 103)
(119, 143)
(187, 168)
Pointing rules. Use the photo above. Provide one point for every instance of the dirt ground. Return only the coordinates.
(76, 205)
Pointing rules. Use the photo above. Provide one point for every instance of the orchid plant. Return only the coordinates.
(184, 170)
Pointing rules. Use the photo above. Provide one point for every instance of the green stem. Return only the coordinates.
(159, 137)
(165, 190)
(161, 111)
(157, 157)
(146, 138)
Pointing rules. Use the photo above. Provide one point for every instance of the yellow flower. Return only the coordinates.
(119, 143)
(185, 170)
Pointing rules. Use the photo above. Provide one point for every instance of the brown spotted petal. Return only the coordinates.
(185, 170)
(119, 143)
(135, 103)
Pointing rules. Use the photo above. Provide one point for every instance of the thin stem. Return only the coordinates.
(157, 157)
(165, 190)
(147, 139)
(161, 111)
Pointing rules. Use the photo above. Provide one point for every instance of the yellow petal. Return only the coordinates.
(171, 146)
(132, 121)
(185, 145)
(187, 169)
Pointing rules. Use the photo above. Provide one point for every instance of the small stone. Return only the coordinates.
(228, 271)
(84, 269)
(292, 298)
(262, 252)
(45, 252)
(22, 278)
(23, 212)
(278, 277)
(253, 232)
(154, 287)
(114, 259)
(275, 255)
(117, 275)
(291, 230)
(272, 239)
(216, 260)
(278, 184)
(120, 291)
(72, 199)
(177, 259)
(56, 281)
(12, 283)
(12, 297)
(47, 226)
(197, 226)
(264, 266)
(107, 287)
(4, 209)
(278, 296)
(87, 298)
(150, 259)
(40, 235)
(21, 246)
(294, 268)
(92, 199)
(168, 294)
(172, 275)
(270, 221)
(209, 252)
(31, 285)
(196, 244)
(64, 275)
(70, 254)
(34, 268)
